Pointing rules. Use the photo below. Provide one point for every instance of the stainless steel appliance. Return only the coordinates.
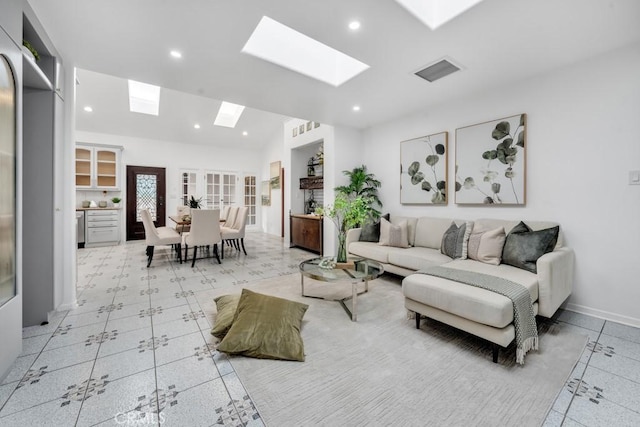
(80, 216)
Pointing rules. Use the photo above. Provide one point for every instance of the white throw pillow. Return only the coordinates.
(393, 235)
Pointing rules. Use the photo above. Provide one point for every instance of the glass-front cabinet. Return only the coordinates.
(98, 167)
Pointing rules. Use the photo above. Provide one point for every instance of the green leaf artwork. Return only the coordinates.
(490, 157)
(425, 162)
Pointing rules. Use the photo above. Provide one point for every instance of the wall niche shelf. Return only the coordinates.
(33, 77)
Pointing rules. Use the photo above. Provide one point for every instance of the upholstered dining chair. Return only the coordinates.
(155, 236)
(231, 216)
(224, 214)
(233, 233)
(205, 231)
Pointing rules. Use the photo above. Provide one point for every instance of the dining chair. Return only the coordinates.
(234, 235)
(231, 216)
(155, 236)
(205, 231)
(224, 214)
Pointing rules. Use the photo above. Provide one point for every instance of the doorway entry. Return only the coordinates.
(146, 189)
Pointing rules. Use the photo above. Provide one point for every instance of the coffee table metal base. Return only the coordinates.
(353, 313)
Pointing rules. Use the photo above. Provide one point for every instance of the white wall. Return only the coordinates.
(271, 215)
(582, 141)
(174, 156)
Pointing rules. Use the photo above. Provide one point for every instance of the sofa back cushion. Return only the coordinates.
(429, 231)
(491, 223)
(411, 226)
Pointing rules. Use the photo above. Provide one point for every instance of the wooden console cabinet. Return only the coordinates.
(306, 232)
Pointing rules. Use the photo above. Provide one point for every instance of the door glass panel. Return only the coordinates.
(146, 195)
(188, 186)
(250, 198)
(7, 182)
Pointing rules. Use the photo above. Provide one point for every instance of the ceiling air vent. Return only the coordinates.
(438, 70)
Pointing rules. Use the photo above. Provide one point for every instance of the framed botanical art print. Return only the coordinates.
(274, 175)
(490, 162)
(423, 170)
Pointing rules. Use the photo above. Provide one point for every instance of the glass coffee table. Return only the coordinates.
(362, 270)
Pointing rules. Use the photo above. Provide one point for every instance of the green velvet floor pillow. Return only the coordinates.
(266, 327)
(227, 305)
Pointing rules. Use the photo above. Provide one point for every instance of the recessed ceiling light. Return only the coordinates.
(88, 109)
(434, 13)
(245, 133)
(284, 46)
(175, 54)
(196, 126)
(354, 25)
(144, 98)
(228, 114)
(356, 108)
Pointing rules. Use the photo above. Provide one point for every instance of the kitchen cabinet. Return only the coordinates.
(102, 227)
(97, 167)
(306, 232)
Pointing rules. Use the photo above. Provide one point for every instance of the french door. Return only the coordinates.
(221, 189)
(146, 187)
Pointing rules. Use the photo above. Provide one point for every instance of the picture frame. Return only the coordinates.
(316, 125)
(423, 170)
(491, 162)
(309, 126)
(274, 175)
(295, 132)
(301, 129)
(265, 193)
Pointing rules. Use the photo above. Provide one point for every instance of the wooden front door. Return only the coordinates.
(146, 189)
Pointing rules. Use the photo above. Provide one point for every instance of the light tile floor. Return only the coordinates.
(137, 351)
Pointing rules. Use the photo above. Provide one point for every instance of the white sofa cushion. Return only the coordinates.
(411, 226)
(373, 250)
(429, 231)
(418, 258)
(476, 304)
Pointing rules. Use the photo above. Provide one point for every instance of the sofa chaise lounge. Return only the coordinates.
(478, 311)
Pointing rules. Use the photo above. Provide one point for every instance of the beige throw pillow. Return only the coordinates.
(393, 235)
(486, 245)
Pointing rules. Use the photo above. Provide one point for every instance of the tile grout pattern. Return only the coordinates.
(137, 350)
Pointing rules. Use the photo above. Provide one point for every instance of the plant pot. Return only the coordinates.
(102, 204)
(116, 205)
(86, 203)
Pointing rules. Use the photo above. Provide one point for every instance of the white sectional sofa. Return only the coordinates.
(474, 310)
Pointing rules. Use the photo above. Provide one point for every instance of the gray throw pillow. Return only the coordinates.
(371, 231)
(523, 247)
(454, 241)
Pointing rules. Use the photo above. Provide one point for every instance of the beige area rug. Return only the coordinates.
(383, 371)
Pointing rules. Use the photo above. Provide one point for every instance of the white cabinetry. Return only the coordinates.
(98, 167)
(103, 227)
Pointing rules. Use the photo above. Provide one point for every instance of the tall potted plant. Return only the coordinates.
(365, 185)
(346, 213)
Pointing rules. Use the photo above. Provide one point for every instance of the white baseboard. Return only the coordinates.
(66, 307)
(606, 315)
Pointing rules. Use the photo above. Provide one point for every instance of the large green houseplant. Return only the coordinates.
(365, 185)
(346, 213)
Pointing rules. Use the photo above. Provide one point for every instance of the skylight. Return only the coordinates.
(144, 98)
(434, 13)
(228, 114)
(284, 46)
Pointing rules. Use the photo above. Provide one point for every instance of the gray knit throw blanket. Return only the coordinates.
(524, 320)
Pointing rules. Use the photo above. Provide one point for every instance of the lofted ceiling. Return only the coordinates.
(496, 42)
